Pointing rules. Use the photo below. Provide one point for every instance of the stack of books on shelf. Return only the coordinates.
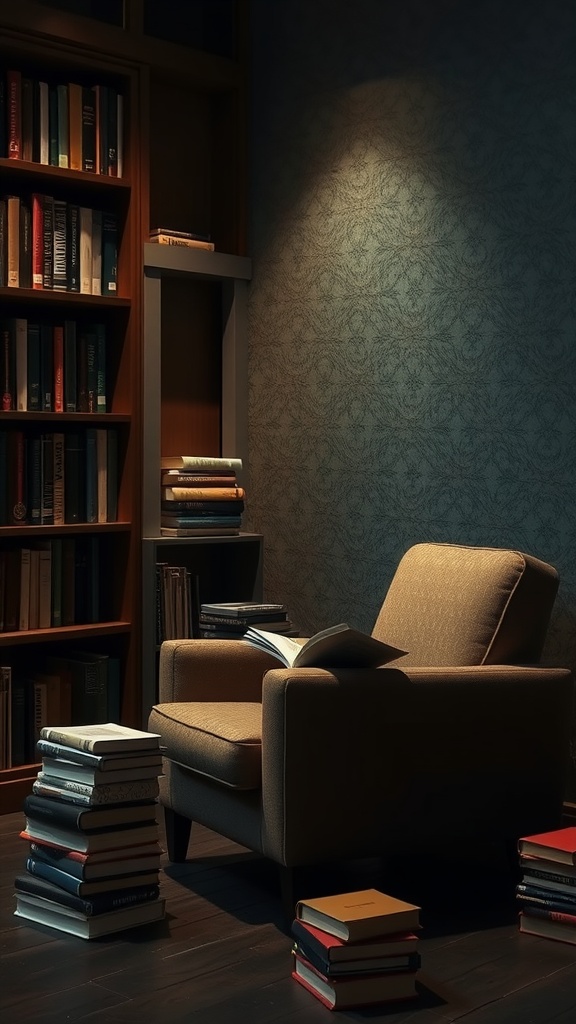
(200, 496)
(547, 891)
(229, 620)
(94, 853)
(356, 949)
(188, 239)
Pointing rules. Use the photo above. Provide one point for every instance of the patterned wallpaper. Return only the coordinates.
(412, 311)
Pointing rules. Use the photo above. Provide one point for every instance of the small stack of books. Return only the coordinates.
(229, 620)
(94, 855)
(190, 239)
(356, 949)
(200, 496)
(547, 891)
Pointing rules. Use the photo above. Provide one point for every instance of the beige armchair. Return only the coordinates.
(465, 737)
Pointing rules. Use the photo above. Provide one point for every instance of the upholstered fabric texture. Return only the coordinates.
(455, 605)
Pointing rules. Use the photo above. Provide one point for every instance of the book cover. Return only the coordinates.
(102, 793)
(88, 148)
(44, 912)
(355, 916)
(105, 738)
(242, 610)
(202, 462)
(558, 845)
(203, 494)
(546, 928)
(113, 837)
(99, 903)
(345, 993)
(84, 888)
(119, 760)
(332, 950)
(59, 768)
(103, 865)
(336, 647)
(43, 810)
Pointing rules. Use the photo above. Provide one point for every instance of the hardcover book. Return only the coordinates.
(42, 911)
(334, 951)
(355, 916)
(105, 738)
(345, 993)
(558, 845)
(338, 646)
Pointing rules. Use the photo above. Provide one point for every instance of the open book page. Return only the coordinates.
(338, 646)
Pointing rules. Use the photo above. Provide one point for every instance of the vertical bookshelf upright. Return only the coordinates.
(110, 543)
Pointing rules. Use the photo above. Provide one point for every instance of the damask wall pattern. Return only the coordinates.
(412, 310)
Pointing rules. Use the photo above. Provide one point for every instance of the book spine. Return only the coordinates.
(88, 130)
(85, 250)
(13, 218)
(73, 247)
(25, 245)
(58, 495)
(48, 242)
(33, 368)
(14, 93)
(37, 240)
(44, 122)
(53, 125)
(60, 271)
(109, 254)
(58, 343)
(63, 152)
(27, 101)
(70, 368)
(75, 126)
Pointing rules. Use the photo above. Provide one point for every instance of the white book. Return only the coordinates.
(102, 739)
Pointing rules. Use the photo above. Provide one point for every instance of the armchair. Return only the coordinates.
(465, 737)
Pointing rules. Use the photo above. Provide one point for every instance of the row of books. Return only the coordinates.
(93, 859)
(64, 124)
(176, 603)
(547, 891)
(78, 686)
(50, 584)
(49, 243)
(53, 367)
(58, 477)
(356, 949)
(200, 496)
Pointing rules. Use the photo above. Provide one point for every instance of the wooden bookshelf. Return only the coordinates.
(184, 166)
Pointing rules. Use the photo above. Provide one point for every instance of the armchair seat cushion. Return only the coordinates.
(220, 740)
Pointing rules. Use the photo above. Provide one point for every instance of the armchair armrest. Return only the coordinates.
(211, 670)
(355, 761)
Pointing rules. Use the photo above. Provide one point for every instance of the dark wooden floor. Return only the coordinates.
(222, 956)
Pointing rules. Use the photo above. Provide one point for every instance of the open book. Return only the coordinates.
(336, 647)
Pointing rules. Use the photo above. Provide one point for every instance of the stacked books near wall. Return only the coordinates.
(356, 949)
(94, 856)
(176, 603)
(229, 620)
(188, 239)
(200, 496)
(547, 891)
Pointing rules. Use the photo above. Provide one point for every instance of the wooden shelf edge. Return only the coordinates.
(87, 629)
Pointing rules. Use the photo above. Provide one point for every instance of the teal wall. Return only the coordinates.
(412, 312)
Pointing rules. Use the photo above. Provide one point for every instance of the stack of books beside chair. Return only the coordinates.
(94, 853)
(200, 496)
(230, 620)
(356, 949)
(547, 891)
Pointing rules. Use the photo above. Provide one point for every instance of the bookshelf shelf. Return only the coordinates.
(39, 636)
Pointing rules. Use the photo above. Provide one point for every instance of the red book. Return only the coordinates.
(333, 950)
(14, 96)
(364, 990)
(37, 241)
(58, 347)
(558, 845)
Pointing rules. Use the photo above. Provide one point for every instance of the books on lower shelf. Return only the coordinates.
(546, 893)
(375, 957)
(199, 493)
(92, 869)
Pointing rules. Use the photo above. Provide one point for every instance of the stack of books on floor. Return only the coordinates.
(200, 496)
(547, 891)
(94, 854)
(356, 949)
(229, 620)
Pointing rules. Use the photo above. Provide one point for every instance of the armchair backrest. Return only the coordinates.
(453, 605)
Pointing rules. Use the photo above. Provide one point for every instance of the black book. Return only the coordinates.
(46, 367)
(109, 253)
(53, 125)
(33, 368)
(74, 477)
(27, 118)
(70, 368)
(48, 811)
(88, 129)
(3, 243)
(112, 132)
(3, 137)
(101, 904)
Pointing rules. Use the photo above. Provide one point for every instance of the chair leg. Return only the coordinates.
(177, 835)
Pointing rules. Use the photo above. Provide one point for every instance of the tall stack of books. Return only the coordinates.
(547, 891)
(356, 948)
(94, 854)
(200, 496)
(229, 620)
